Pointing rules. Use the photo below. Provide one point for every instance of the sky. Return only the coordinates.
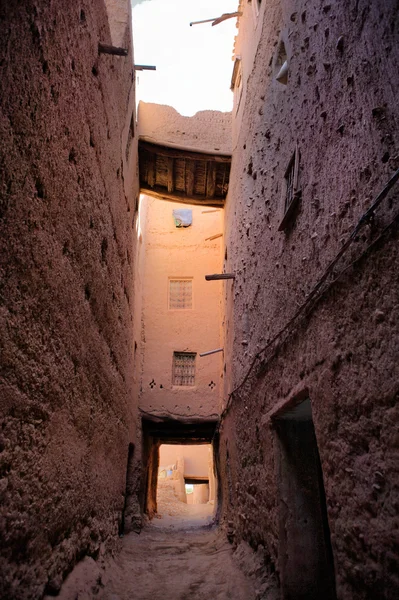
(194, 64)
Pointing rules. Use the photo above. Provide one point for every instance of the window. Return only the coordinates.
(256, 6)
(180, 294)
(291, 192)
(130, 135)
(236, 83)
(281, 65)
(183, 368)
(183, 217)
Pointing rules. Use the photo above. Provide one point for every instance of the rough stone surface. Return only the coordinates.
(340, 107)
(66, 266)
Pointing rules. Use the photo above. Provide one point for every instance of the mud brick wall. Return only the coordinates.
(67, 414)
(340, 108)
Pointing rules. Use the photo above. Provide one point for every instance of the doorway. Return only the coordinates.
(186, 483)
(179, 461)
(305, 554)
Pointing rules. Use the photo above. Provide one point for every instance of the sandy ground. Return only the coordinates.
(162, 564)
(173, 513)
(180, 556)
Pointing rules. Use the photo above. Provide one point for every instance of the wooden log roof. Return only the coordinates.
(183, 175)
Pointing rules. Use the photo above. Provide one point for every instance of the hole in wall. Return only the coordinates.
(104, 250)
(40, 188)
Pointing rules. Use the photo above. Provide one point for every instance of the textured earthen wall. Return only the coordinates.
(206, 131)
(340, 106)
(66, 250)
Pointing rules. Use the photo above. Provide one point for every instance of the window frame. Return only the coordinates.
(256, 8)
(289, 209)
(188, 279)
(237, 86)
(177, 353)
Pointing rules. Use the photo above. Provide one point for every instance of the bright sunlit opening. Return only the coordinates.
(194, 63)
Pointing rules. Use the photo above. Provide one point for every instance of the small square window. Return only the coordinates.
(291, 192)
(180, 294)
(183, 217)
(183, 373)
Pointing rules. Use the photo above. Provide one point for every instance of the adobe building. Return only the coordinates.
(309, 439)
(188, 465)
(67, 251)
(105, 310)
(184, 165)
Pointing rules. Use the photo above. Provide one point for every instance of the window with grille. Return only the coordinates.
(183, 368)
(291, 191)
(180, 293)
(290, 183)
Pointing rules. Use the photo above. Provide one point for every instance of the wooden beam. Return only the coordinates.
(145, 68)
(211, 352)
(214, 237)
(151, 171)
(181, 197)
(170, 175)
(217, 276)
(179, 153)
(105, 49)
(190, 172)
(211, 179)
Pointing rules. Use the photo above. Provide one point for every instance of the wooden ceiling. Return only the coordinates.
(182, 175)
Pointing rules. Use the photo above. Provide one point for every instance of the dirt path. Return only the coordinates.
(179, 556)
(162, 564)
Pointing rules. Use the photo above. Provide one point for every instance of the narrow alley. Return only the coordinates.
(164, 562)
(199, 300)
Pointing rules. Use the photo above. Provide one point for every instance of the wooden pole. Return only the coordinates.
(105, 49)
(213, 237)
(211, 352)
(145, 68)
(217, 276)
(217, 20)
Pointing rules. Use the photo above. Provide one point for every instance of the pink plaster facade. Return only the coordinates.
(196, 458)
(180, 253)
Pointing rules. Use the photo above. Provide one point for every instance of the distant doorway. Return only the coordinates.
(305, 554)
(186, 483)
(158, 467)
